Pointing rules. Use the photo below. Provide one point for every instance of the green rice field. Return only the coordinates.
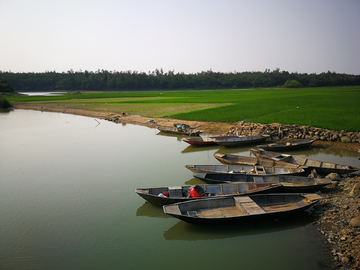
(335, 108)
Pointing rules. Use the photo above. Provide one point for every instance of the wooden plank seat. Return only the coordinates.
(287, 184)
(220, 212)
(290, 184)
(280, 207)
(174, 209)
(312, 197)
(247, 205)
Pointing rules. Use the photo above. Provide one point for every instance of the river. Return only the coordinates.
(68, 202)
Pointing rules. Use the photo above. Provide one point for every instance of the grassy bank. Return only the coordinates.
(335, 108)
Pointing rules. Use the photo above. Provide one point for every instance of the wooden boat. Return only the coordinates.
(231, 142)
(292, 145)
(231, 159)
(200, 141)
(245, 169)
(169, 195)
(241, 208)
(185, 132)
(321, 167)
(290, 183)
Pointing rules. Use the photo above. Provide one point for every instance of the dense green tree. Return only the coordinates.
(6, 87)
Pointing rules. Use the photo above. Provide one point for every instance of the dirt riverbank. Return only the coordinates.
(213, 128)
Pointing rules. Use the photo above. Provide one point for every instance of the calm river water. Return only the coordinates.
(68, 202)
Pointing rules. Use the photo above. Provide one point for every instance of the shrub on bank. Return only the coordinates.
(292, 84)
(4, 103)
(6, 87)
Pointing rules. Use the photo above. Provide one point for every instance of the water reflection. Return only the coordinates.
(189, 232)
(42, 93)
(244, 150)
(150, 210)
(6, 111)
(340, 152)
(192, 149)
(194, 181)
(178, 137)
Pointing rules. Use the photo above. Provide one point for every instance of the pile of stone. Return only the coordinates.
(115, 119)
(338, 219)
(280, 131)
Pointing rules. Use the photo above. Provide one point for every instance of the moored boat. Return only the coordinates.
(231, 142)
(245, 169)
(200, 141)
(321, 167)
(175, 194)
(185, 132)
(291, 145)
(290, 183)
(231, 159)
(241, 208)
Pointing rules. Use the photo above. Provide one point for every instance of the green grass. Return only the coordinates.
(336, 108)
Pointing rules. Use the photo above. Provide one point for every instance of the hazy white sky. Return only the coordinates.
(305, 36)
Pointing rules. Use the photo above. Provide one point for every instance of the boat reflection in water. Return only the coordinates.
(178, 137)
(188, 232)
(149, 210)
(217, 148)
(192, 149)
(194, 181)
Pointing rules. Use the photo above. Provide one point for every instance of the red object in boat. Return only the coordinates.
(194, 193)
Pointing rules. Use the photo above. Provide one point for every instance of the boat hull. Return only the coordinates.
(294, 145)
(180, 193)
(232, 142)
(199, 141)
(289, 183)
(229, 159)
(245, 209)
(246, 169)
(183, 133)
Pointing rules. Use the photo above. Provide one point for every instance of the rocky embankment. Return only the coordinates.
(338, 219)
(277, 131)
(280, 131)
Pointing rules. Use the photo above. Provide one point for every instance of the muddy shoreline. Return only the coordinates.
(337, 215)
(213, 128)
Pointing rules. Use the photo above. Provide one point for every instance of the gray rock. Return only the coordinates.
(333, 177)
(355, 222)
(355, 192)
(345, 139)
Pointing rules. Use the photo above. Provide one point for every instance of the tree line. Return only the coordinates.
(160, 80)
